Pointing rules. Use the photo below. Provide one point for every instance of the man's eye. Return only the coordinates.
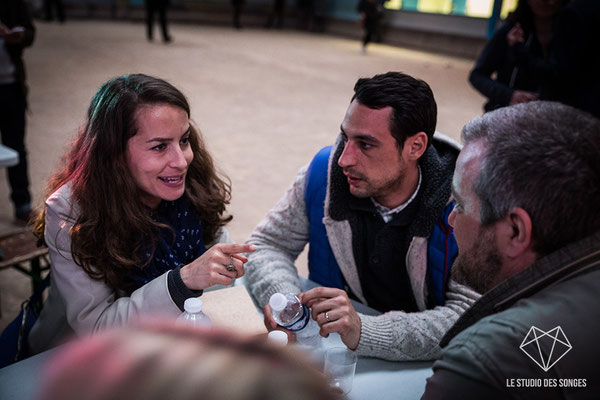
(344, 137)
(365, 146)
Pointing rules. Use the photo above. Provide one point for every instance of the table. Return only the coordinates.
(21, 380)
(8, 157)
(374, 379)
(380, 379)
(383, 380)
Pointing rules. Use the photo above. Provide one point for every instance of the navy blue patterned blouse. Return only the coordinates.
(179, 246)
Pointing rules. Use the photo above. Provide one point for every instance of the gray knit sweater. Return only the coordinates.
(396, 335)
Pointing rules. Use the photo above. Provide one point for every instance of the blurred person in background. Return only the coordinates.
(157, 362)
(50, 6)
(134, 218)
(238, 7)
(370, 14)
(276, 14)
(576, 57)
(160, 7)
(512, 53)
(16, 33)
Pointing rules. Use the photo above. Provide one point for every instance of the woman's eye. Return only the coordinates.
(185, 140)
(159, 147)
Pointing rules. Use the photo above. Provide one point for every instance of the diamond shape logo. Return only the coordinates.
(546, 348)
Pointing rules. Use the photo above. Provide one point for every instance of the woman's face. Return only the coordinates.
(545, 8)
(159, 154)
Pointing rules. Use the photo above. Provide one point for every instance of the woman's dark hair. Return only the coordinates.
(112, 223)
(524, 15)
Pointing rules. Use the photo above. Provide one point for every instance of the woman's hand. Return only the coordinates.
(515, 35)
(211, 268)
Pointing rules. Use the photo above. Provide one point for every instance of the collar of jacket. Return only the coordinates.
(561, 265)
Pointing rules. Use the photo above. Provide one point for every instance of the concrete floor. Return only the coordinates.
(265, 101)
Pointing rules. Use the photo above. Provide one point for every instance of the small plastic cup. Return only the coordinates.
(340, 365)
(278, 337)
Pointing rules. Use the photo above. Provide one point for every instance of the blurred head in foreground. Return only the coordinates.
(162, 361)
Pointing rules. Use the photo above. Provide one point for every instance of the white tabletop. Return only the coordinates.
(374, 378)
(21, 380)
(8, 157)
(383, 380)
(379, 379)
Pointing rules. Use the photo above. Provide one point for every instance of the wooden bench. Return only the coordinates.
(20, 251)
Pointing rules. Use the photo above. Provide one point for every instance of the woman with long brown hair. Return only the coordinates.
(134, 220)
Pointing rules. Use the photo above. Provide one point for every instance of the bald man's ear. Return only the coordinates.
(516, 235)
(415, 146)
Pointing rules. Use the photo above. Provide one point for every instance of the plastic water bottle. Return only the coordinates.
(193, 314)
(291, 314)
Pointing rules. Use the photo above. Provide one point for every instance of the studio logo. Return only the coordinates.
(546, 348)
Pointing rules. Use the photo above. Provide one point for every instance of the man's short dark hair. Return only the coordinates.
(414, 108)
(543, 157)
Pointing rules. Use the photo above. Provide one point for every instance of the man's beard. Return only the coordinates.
(381, 187)
(480, 266)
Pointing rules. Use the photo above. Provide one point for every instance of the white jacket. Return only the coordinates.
(78, 305)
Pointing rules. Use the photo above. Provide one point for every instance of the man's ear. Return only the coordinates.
(516, 236)
(415, 146)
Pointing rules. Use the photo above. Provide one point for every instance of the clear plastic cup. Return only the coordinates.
(340, 365)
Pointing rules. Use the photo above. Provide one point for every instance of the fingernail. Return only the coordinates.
(252, 247)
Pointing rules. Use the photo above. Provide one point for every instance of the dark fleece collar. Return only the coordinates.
(437, 167)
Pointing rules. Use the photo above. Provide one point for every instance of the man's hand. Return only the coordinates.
(269, 321)
(332, 310)
(271, 325)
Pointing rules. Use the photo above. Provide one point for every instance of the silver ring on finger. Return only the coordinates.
(327, 316)
(230, 267)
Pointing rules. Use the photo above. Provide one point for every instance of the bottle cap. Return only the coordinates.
(278, 302)
(192, 305)
(278, 337)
